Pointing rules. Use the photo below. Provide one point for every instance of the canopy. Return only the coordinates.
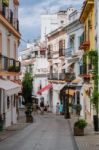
(47, 87)
(10, 87)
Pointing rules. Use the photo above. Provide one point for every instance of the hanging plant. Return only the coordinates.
(93, 55)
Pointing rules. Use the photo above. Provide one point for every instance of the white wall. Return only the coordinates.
(55, 98)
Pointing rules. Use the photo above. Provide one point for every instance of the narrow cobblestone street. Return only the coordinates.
(48, 132)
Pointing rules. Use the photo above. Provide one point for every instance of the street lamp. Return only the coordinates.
(97, 31)
(67, 113)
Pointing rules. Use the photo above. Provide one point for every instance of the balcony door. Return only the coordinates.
(61, 47)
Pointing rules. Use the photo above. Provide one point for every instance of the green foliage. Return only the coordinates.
(11, 68)
(81, 123)
(94, 99)
(93, 55)
(17, 68)
(27, 87)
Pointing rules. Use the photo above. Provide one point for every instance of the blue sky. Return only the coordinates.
(31, 10)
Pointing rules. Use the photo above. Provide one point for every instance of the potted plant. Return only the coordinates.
(93, 55)
(94, 101)
(1, 123)
(11, 68)
(17, 69)
(27, 87)
(79, 127)
(94, 95)
(28, 112)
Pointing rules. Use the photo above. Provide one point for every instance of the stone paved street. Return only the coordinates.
(49, 132)
(90, 141)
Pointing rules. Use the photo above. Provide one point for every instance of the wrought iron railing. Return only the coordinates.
(9, 15)
(9, 64)
(61, 52)
(56, 76)
(69, 52)
(61, 76)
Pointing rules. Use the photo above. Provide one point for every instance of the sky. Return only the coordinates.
(30, 12)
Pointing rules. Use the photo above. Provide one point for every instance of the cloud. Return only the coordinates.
(30, 14)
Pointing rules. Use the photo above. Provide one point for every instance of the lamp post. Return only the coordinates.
(67, 113)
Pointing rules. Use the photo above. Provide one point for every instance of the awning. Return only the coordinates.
(71, 92)
(67, 65)
(47, 87)
(57, 81)
(77, 80)
(10, 87)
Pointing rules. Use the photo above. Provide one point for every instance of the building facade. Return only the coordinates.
(50, 22)
(33, 59)
(9, 65)
(65, 58)
(87, 18)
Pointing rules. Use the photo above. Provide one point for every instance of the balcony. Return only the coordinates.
(8, 14)
(69, 52)
(9, 64)
(61, 76)
(8, 20)
(85, 71)
(84, 44)
(56, 76)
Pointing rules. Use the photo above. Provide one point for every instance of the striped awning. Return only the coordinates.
(47, 87)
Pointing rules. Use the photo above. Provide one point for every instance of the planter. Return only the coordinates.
(11, 68)
(96, 123)
(78, 131)
(1, 125)
(29, 118)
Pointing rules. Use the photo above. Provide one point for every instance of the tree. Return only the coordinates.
(27, 88)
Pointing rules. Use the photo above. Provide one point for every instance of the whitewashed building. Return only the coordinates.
(73, 56)
(50, 22)
(33, 59)
(64, 56)
(9, 65)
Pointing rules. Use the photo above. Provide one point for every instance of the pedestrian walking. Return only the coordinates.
(57, 108)
(42, 106)
(61, 108)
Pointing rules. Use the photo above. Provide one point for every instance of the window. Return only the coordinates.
(8, 102)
